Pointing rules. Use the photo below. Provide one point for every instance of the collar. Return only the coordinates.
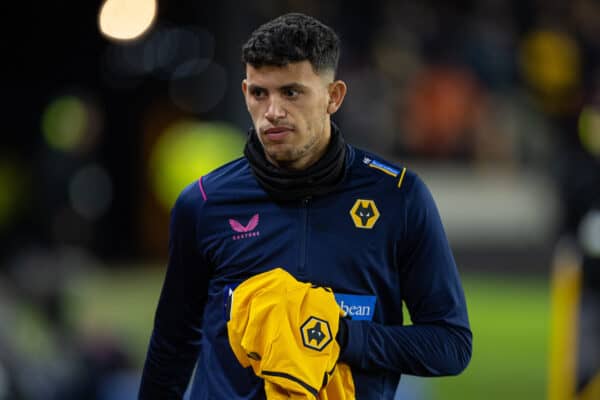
(320, 178)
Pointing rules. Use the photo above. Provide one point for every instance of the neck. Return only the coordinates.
(317, 179)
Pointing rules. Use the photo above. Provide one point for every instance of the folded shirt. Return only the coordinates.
(285, 330)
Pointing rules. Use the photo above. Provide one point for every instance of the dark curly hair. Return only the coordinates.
(293, 38)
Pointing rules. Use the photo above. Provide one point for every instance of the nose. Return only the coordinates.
(275, 111)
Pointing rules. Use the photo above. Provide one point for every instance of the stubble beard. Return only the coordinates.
(289, 159)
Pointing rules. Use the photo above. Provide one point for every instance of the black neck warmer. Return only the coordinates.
(318, 179)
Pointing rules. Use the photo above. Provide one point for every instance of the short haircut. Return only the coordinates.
(293, 38)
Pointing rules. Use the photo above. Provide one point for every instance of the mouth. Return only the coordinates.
(277, 133)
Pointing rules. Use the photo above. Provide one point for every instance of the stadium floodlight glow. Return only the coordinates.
(550, 61)
(589, 130)
(126, 19)
(188, 149)
(64, 123)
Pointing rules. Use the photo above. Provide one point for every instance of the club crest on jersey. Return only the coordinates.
(316, 333)
(364, 213)
(245, 231)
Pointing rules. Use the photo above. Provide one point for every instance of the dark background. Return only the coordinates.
(487, 100)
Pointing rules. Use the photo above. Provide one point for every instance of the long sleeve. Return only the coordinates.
(175, 342)
(439, 341)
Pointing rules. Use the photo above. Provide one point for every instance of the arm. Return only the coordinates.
(175, 342)
(439, 341)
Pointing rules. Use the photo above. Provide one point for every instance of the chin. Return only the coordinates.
(279, 153)
(280, 158)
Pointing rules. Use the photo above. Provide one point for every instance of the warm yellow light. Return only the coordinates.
(126, 19)
(187, 150)
(551, 61)
(589, 130)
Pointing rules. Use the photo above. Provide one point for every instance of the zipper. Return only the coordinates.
(304, 236)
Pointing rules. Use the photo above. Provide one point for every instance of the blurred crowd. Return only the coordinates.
(511, 85)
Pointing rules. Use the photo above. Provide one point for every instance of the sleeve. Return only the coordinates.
(440, 340)
(175, 342)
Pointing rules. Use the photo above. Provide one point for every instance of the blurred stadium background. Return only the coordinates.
(112, 108)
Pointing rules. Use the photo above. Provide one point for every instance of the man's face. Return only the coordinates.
(290, 108)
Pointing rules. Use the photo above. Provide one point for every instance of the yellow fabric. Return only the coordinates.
(285, 330)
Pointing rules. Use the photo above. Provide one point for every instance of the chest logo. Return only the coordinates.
(316, 333)
(245, 231)
(364, 213)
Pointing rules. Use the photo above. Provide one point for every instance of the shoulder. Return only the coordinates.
(223, 179)
(236, 172)
(391, 175)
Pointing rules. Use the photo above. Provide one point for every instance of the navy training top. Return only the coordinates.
(377, 240)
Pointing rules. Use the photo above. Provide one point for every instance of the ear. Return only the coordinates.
(245, 87)
(245, 92)
(337, 92)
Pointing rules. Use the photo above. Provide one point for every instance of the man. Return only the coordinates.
(329, 214)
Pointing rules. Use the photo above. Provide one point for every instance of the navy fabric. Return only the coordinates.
(231, 230)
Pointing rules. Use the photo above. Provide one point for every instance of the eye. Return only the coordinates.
(291, 92)
(258, 93)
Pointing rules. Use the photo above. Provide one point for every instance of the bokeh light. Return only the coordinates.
(64, 123)
(589, 130)
(495, 105)
(160, 52)
(550, 61)
(187, 150)
(126, 19)
(11, 187)
(90, 192)
(168, 49)
(589, 233)
(443, 104)
(198, 86)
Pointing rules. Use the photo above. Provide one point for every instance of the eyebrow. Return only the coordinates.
(293, 85)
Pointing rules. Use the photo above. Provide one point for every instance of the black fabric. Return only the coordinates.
(318, 179)
(305, 385)
(342, 334)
